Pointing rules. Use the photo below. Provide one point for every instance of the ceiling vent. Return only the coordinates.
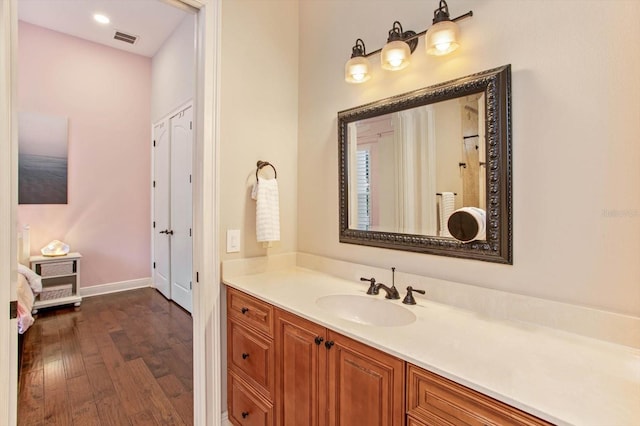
(127, 38)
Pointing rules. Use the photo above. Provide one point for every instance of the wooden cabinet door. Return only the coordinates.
(300, 371)
(366, 386)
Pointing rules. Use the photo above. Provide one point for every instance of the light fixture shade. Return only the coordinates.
(357, 70)
(442, 38)
(395, 55)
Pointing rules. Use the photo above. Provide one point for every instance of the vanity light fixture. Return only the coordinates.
(357, 69)
(441, 38)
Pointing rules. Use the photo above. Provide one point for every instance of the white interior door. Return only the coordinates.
(161, 221)
(181, 126)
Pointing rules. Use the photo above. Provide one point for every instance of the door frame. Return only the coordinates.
(207, 371)
(8, 208)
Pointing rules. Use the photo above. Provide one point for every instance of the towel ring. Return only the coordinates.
(260, 164)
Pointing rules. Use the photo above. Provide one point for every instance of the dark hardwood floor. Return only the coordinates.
(119, 359)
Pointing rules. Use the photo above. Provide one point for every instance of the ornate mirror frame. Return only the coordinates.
(498, 246)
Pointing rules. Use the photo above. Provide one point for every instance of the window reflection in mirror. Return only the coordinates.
(414, 167)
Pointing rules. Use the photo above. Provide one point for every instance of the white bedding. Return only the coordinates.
(25, 304)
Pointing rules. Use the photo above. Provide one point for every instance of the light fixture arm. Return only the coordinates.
(359, 49)
(441, 13)
(396, 32)
(415, 36)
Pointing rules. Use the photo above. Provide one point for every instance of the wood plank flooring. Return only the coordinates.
(119, 359)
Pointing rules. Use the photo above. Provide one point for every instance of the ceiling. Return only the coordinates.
(151, 20)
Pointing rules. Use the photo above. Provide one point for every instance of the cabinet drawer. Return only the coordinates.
(52, 269)
(251, 356)
(249, 310)
(246, 407)
(435, 400)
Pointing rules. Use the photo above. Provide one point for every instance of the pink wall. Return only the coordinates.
(105, 93)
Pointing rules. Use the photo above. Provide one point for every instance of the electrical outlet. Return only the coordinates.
(233, 240)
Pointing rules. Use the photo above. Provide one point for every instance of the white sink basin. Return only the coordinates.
(367, 310)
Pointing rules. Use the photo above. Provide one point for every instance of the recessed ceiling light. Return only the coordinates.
(101, 18)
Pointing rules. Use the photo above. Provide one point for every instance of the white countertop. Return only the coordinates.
(558, 376)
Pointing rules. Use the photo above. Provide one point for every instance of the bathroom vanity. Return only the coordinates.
(294, 359)
(286, 370)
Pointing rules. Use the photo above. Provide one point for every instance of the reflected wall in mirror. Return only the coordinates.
(408, 162)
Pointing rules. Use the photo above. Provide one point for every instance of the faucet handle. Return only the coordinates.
(372, 285)
(408, 299)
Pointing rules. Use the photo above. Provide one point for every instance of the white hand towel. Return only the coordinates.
(447, 205)
(267, 210)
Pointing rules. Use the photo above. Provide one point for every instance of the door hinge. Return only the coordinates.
(154, 224)
(154, 183)
(13, 309)
(190, 232)
(189, 178)
(197, 277)
(190, 285)
(154, 143)
(191, 125)
(154, 265)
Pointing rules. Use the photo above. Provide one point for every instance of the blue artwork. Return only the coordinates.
(42, 159)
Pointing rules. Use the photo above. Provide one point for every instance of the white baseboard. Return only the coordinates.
(97, 290)
(225, 419)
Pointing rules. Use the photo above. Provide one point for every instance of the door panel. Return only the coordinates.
(300, 372)
(161, 188)
(181, 207)
(366, 386)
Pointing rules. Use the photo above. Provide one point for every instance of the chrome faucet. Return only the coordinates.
(392, 292)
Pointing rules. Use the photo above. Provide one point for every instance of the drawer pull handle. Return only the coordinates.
(245, 414)
(328, 344)
(244, 310)
(245, 355)
(318, 340)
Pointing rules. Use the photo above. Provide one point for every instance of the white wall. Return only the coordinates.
(576, 121)
(259, 116)
(173, 70)
(258, 121)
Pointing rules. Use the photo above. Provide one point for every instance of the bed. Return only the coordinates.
(28, 286)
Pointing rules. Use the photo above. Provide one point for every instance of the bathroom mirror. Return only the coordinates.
(409, 161)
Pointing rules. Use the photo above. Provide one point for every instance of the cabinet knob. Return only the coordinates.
(245, 414)
(244, 310)
(328, 344)
(245, 355)
(318, 340)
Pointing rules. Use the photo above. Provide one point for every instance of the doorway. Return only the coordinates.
(206, 321)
